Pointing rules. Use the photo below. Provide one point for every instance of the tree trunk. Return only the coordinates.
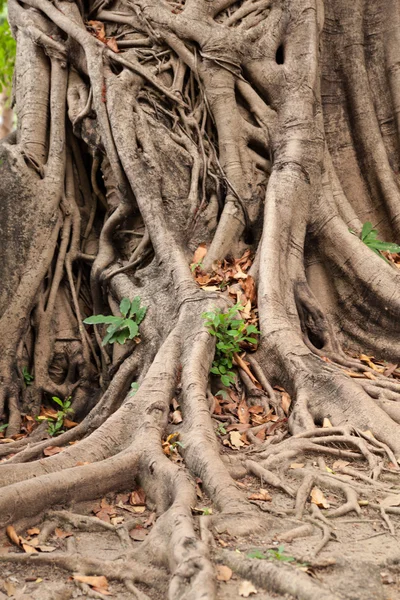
(144, 130)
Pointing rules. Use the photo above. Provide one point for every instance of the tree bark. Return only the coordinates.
(143, 131)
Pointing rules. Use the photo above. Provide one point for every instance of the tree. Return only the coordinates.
(144, 130)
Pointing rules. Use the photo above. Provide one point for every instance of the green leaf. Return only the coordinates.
(58, 401)
(225, 380)
(366, 230)
(214, 370)
(251, 340)
(122, 336)
(98, 319)
(135, 387)
(140, 315)
(385, 247)
(125, 306)
(256, 554)
(132, 326)
(134, 306)
(252, 329)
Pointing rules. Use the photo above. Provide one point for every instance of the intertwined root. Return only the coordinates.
(274, 466)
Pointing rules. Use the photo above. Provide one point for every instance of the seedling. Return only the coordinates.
(3, 427)
(135, 387)
(28, 378)
(369, 236)
(231, 333)
(221, 429)
(278, 554)
(56, 423)
(121, 328)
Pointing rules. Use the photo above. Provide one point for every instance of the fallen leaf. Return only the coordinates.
(243, 411)
(326, 423)
(369, 433)
(297, 465)
(52, 450)
(112, 44)
(177, 417)
(262, 495)
(318, 498)
(117, 520)
(28, 548)
(138, 498)
(246, 588)
(13, 535)
(9, 588)
(235, 439)
(285, 402)
(199, 254)
(224, 573)
(369, 375)
(98, 581)
(339, 464)
(98, 28)
(46, 548)
(62, 534)
(138, 534)
(392, 500)
(69, 424)
(249, 288)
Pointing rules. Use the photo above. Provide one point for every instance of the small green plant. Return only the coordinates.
(56, 423)
(221, 430)
(121, 328)
(369, 236)
(231, 333)
(28, 378)
(278, 554)
(135, 387)
(3, 427)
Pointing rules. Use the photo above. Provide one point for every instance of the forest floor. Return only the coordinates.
(355, 563)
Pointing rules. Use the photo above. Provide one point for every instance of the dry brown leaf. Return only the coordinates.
(296, 465)
(369, 375)
(285, 402)
(13, 535)
(98, 28)
(98, 581)
(339, 464)
(199, 254)
(9, 588)
(224, 573)
(177, 417)
(45, 548)
(52, 450)
(369, 433)
(392, 500)
(28, 548)
(318, 498)
(367, 359)
(326, 424)
(235, 439)
(249, 288)
(69, 424)
(243, 411)
(262, 495)
(138, 534)
(112, 44)
(138, 498)
(62, 534)
(246, 589)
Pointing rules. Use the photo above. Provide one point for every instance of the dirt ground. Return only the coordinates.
(360, 561)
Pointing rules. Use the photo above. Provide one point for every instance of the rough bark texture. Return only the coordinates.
(269, 125)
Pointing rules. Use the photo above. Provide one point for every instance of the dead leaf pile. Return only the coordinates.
(29, 544)
(231, 278)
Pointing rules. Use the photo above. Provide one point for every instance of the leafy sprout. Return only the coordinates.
(369, 236)
(230, 333)
(121, 328)
(28, 378)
